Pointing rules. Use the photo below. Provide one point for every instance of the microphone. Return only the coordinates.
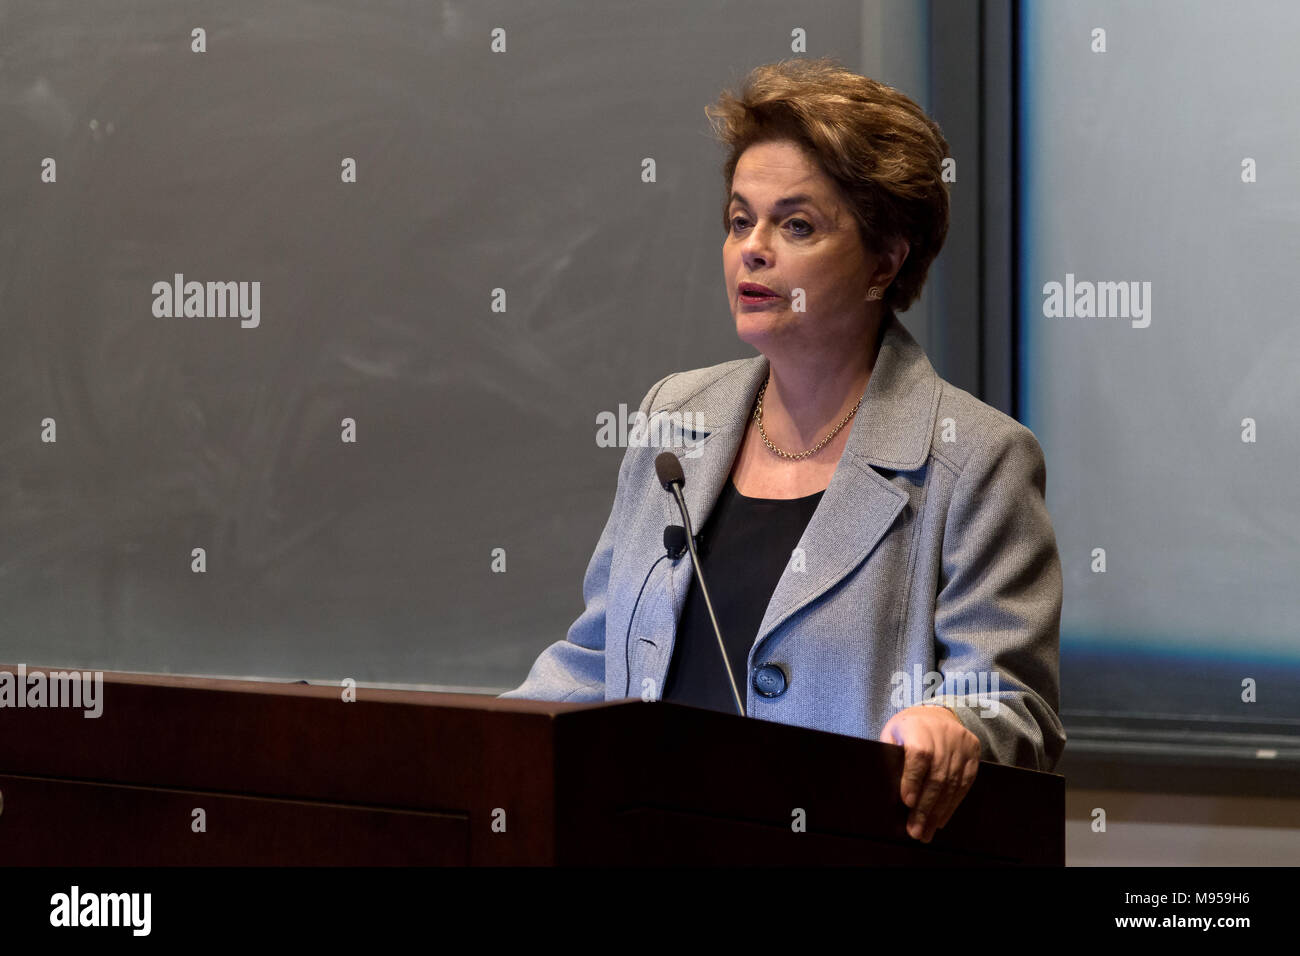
(669, 470)
(675, 541)
(675, 546)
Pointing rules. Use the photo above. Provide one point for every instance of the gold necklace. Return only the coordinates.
(758, 417)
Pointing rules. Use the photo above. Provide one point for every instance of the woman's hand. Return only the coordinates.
(940, 758)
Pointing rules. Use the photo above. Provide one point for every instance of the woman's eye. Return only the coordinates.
(804, 227)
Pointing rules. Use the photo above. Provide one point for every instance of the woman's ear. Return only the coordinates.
(897, 255)
(891, 261)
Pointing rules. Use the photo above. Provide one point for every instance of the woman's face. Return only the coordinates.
(791, 230)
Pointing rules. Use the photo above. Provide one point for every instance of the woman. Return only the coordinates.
(875, 541)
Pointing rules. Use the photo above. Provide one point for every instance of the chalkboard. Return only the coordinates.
(131, 435)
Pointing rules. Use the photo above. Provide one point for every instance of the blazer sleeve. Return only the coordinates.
(998, 612)
(573, 669)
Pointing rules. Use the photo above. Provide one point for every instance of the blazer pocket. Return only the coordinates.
(650, 633)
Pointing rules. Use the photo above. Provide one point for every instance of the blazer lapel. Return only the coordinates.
(720, 416)
(891, 430)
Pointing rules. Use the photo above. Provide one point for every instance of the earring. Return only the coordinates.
(874, 293)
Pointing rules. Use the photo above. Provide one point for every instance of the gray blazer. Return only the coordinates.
(928, 574)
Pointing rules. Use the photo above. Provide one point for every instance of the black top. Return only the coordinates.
(743, 548)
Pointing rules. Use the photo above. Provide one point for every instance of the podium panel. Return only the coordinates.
(195, 771)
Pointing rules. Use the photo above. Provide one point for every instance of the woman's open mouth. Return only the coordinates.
(751, 293)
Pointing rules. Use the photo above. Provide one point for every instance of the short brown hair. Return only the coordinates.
(878, 145)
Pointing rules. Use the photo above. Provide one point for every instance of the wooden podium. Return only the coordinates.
(183, 771)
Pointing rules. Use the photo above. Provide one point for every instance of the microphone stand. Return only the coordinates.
(670, 474)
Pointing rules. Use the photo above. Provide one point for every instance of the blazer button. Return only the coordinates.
(770, 680)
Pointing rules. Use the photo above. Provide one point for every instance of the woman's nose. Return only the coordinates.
(757, 239)
(755, 247)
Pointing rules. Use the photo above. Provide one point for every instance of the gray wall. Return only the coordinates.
(1132, 172)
